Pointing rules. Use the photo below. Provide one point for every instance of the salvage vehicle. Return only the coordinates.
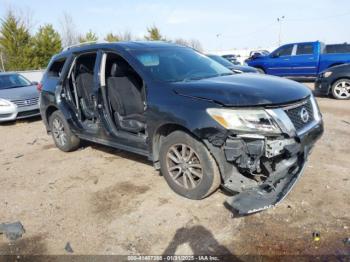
(199, 123)
(335, 81)
(19, 97)
(238, 69)
(306, 59)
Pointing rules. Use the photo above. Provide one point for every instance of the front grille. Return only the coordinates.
(296, 114)
(26, 102)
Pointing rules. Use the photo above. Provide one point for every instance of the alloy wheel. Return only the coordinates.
(184, 166)
(342, 89)
(59, 132)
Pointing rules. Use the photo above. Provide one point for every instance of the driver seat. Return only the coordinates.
(126, 97)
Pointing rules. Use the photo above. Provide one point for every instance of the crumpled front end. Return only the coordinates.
(264, 168)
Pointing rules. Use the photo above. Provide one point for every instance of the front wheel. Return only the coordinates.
(341, 89)
(188, 167)
(63, 137)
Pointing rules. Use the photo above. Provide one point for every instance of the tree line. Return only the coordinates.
(22, 50)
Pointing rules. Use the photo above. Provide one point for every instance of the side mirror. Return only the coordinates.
(35, 83)
(274, 55)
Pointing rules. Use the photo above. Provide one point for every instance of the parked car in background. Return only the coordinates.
(19, 97)
(306, 59)
(258, 53)
(335, 81)
(235, 68)
(199, 123)
(232, 58)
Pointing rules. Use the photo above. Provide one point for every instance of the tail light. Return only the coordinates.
(39, 87)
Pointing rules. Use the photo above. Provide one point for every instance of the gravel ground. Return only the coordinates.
(105, 201)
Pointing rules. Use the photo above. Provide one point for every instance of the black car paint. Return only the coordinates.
(245, 90)
(323, 84)
(179, 105)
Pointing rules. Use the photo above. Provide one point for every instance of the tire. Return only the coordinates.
(63, 137)
(341, 89)
(205, 179)
(261, 71)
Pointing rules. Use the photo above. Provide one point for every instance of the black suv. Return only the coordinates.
(199, 123)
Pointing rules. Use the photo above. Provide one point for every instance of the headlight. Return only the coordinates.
(327, 74)
(4, 102)
(244, 119)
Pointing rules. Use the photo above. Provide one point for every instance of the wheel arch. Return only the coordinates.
(163, 131)
(49, 111)
(335, 64)
(337, 79)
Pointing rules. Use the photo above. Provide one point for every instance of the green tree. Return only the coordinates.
(46, 43)
(15, 43)
(153, 34)
(89, 37)
(123, 36)
(110, 37)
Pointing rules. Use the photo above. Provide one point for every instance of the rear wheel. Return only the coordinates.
(63, 137)
(188, 166)
(341, 89)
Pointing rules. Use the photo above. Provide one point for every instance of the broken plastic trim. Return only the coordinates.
(258, 199)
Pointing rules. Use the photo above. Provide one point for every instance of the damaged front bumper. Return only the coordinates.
(263, 169)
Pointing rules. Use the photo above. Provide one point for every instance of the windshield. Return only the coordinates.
(12, 81)
(221, 60)
(178, 64)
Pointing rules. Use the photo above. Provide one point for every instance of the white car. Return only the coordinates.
(19, 97)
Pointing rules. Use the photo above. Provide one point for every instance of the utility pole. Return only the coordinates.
(279, 21)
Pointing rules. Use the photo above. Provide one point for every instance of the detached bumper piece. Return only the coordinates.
(268, 194)
(275, 164)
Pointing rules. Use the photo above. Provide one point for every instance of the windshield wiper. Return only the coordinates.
(199, 77)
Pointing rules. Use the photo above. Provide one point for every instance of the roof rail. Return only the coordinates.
(83, 44)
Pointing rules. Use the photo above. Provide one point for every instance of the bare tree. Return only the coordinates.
(181, 41)
(195, 44)
(69, 34)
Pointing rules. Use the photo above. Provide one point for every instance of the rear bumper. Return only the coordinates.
(13, 112)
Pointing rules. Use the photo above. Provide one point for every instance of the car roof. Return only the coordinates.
(130, 45)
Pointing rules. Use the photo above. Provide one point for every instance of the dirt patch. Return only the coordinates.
(49, 146)
(34, 245)
(270, 237)
(117, 200)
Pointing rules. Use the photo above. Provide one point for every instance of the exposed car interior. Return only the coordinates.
(84, 78)
(126, 94)
(80, 86)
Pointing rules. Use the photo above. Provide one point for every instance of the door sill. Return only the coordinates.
(115, 144)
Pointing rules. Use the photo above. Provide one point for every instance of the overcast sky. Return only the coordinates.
(219, 24)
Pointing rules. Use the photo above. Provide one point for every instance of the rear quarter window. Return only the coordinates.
(55, 68)
(336, 49)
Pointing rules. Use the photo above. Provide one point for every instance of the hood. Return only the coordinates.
(244, 90)
(19, 93)
(244, 69)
